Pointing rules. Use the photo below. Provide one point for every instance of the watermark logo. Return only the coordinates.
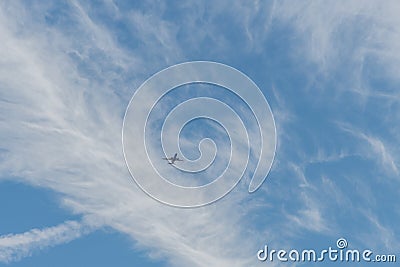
(341, 243)
(145, 167)
(339, 254)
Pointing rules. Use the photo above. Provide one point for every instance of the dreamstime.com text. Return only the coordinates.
(338, 254)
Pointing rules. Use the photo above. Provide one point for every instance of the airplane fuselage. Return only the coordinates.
(174, 159)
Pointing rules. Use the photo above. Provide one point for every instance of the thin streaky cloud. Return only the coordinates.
(377, 149)
(13, 247)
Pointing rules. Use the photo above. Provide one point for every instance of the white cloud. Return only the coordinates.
(376, 149)
(380, 234)
(350, 46)
(61, 129)
(16, 246)
(63, 90)
(310, 217)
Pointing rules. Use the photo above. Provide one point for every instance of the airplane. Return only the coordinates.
(172, 160)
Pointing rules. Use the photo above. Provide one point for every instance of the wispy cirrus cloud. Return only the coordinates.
(13, 247)
(68, 76)
(376, 149)
(64, 133)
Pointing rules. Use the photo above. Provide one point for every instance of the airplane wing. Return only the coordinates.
(178, 159)
(171, 158)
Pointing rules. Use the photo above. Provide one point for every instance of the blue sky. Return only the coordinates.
(330, 73)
